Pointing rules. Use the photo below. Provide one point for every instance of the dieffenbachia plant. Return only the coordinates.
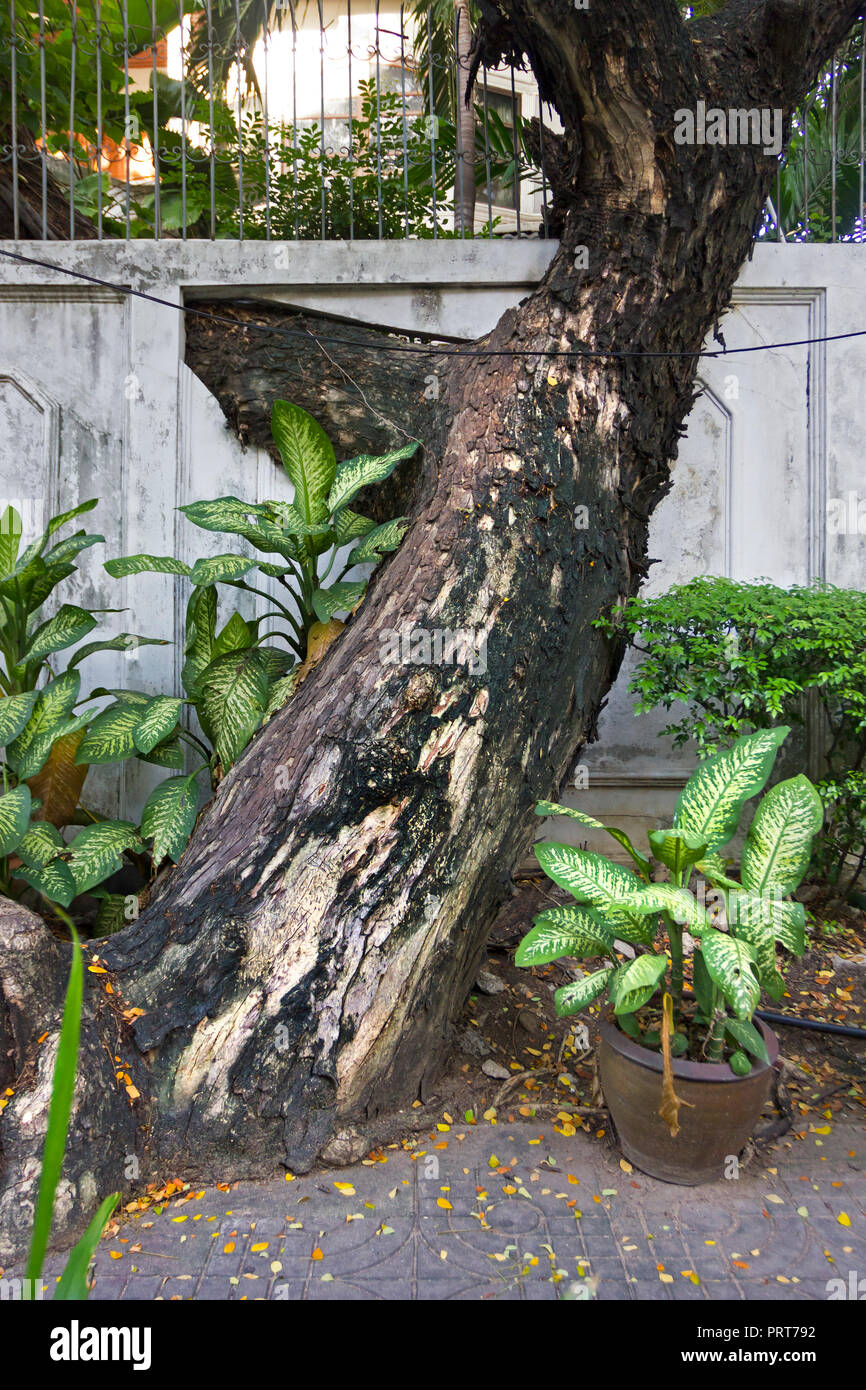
(234, 678)
(44, 731)
(734, 941)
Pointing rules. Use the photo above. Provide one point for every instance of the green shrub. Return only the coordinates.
(741, 657)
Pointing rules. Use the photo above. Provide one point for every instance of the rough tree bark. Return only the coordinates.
(300, 970)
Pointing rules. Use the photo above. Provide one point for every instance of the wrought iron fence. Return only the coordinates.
(295, 119)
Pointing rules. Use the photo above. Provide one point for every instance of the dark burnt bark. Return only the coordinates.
(301, 969)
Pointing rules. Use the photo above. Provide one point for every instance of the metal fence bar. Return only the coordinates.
(351, 130)
(212, 135)
(43, 121)
(294, 114)
(183, 179)
(861, 152)
(265, 45)
(514, 123)
(99, 138)
(432, 119)
(73, 56)
(403, 112)
(127, 120)
(240, 78)
(833, 146)
(157, 190)
(378, 128)
(543, 173)
(322, 107)
(489, 184)
(14, 131)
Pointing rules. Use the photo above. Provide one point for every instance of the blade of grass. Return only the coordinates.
(62, 1090)
(73, 1280)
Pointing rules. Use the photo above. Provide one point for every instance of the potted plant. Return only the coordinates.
(684, 1069)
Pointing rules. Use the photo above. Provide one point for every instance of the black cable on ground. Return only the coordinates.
(812, 1025)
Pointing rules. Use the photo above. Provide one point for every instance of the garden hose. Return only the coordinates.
(813, 1025)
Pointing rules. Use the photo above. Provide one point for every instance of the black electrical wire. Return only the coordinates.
(414, 349)
(812, 1025)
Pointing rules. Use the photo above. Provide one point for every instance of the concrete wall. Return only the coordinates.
(95, 400)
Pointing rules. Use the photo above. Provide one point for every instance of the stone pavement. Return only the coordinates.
(560, 1218)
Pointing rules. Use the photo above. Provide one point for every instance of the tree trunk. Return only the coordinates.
(464, 186)
(301, 969)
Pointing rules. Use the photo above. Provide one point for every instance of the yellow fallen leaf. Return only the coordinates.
(444, 1203)
(228, 1248)
(317, 1254)
(263, 1245)
(843, 1218)
(346, 1188)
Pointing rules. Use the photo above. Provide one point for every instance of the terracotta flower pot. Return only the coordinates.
(726, 1107)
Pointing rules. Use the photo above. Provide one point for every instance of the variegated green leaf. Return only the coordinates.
(340, 598)
(123, 642)
(570, 999)
(730, 963)
(53, 880)
(712, 800)
(714, 868)
(215, 569)
(169, 817)
(35, 756)
(52, 708)
(41, 842)
(761, 940)
(14, 818)
(67, 550)
(145, 564)
(308, 458)
(95, 852)
(276, 661)
(111, 736)
(35, 550)
(564, 931)
(281, 691)
(679, 903)
(379, 541)
(746, 1035)
(228, 514)
(677, 849)
(553, 808)
(273, 540)
(234, 697)
(67, 626)
(777, 918)
(349, 525)
(779, 843)
(159, 718)
(201, 614)
(593, 879)
(11, 529)
(169, 755)
(288, 517)
(359, 472)
(15, 710)
(236, 636)
(633, 985)
(111, 914)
